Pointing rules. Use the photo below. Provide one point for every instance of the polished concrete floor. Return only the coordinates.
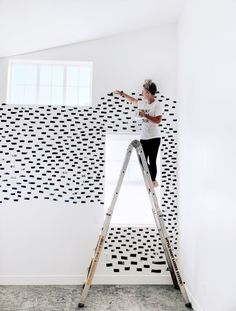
(100, 298)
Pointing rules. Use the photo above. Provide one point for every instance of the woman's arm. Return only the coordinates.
(129, 98)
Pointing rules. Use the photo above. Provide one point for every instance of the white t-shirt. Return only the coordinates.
(149, 128)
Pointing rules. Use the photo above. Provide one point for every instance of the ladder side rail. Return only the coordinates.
(157, 213)
(117, 190)
(103, 233)
(170, 257)
(152, 195)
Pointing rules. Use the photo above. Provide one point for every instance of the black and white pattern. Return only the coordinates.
(134, 249)
(57, 153)
(169, 168)
(51, 153)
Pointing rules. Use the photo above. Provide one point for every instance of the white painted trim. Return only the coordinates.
(196, 306)
(49, 62)
(133, 279)
(79, 279)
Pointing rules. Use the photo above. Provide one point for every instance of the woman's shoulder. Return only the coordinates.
(158, 106)
(157, 102)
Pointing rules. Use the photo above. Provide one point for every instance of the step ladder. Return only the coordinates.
(158, 216)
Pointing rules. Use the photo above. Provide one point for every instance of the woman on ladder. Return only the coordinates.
(150, 111)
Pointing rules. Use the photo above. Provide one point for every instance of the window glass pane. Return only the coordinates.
(57, 75)
(72, 95)
(30, 95)
(30, 74)
(17, 94)
(45, 75)
(44, 95)
(72, 76)
(57, 95)
(84, 94)
(85, 76)
(18, 74)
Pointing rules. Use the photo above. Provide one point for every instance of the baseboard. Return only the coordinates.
(196, 306)
(133, 279)
(79, 279)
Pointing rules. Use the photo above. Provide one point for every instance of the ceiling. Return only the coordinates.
(32, 25)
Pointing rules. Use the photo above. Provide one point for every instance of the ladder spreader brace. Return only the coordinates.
(158, 216)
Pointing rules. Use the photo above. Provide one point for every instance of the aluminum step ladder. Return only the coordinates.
(158, 216)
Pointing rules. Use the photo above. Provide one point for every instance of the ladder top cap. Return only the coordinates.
(136, 143)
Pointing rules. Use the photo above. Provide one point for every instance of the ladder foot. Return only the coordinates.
(80, 305)
(188, 305)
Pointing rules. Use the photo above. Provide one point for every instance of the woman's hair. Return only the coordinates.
(150, 86)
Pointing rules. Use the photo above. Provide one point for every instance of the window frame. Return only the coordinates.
(37, 62)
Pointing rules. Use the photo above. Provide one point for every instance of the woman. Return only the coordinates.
(150, 111)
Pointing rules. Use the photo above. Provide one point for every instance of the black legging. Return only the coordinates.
(150, 149)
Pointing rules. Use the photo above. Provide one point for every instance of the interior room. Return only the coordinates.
(83, 222)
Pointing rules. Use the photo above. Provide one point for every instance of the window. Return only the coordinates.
(49, 83)
(133, 206)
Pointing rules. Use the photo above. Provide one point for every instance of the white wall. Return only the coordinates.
(43, 243)
(28, 232)
(121, 61)
(207, 153)
(3, 79)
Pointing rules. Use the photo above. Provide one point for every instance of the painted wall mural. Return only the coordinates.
(57, 153)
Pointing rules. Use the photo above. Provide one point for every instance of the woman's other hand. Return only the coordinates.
(142, 113)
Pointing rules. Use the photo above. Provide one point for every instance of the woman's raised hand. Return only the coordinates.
(118, 92)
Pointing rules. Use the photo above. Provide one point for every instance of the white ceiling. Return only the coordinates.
(31, 25)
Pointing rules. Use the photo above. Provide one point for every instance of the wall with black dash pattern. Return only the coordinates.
(57, 153)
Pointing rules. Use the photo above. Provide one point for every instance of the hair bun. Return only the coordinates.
(150, 86)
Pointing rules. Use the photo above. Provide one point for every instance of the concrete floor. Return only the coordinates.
(100, 298)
